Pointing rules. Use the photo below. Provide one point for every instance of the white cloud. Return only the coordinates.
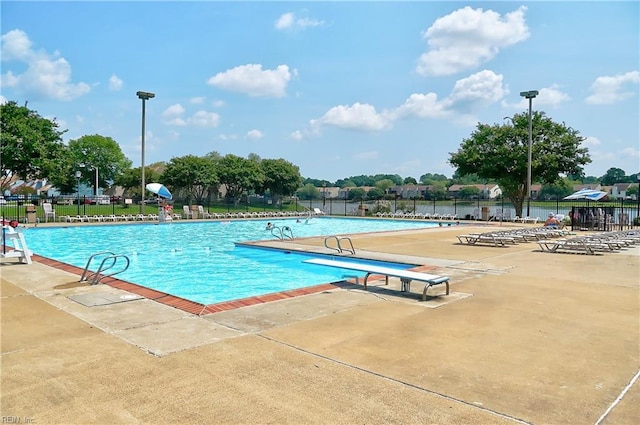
(47, 76)
(607, 90)
(358, 116)
(289, 21)
(217, 103)
(173, 111)
(421, 106)
(204, 119)
(174, 115)
(469, 37)
(285, 21)
(115, 83)
(297, 135)
(252, 80)
(3, 100)
(550, 96)
(197, 100)
(484, 87)
(591, 142)
(254, 134)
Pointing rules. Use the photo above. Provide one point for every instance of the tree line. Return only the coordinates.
(32, 148)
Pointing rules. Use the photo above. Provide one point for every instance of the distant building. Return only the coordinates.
(486, 191)
(619, 190)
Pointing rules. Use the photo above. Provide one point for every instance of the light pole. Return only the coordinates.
(144, 96)
(96, 188)
(324, 195)
(531, 94)
(78, 174)
(638, 198)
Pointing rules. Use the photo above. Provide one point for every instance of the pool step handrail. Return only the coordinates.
(338, 246)
(95, 277)
(282, 232)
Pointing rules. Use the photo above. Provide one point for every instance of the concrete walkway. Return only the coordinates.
(524, 337)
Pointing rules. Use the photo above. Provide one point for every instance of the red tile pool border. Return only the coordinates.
(188, 305)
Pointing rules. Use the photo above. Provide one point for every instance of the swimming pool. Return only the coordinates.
(199, 261)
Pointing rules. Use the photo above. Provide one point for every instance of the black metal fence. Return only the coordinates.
(618, 214)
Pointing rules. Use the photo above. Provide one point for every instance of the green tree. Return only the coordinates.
(613, 176)
(409, 180)
(557, 190)
(469, 192)
(281, 178)
(239, 175)
(31, 146)
(191, 175)
(375, 193)
(97, 155)
(385, 184)
(308, 191)
(131, 180)
(439, 190)
(356, 194)
(429, 178)
(498, 153)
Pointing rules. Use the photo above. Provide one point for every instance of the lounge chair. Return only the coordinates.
(202, 213)
(485, 238)
(574, 245)
(318, 211)
(48, 212)
(187, 211)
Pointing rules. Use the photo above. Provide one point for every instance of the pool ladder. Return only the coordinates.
(95, 277)
(350, 249)
(282, 233)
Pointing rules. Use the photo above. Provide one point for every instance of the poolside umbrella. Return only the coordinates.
(588, 194)
(160, 190)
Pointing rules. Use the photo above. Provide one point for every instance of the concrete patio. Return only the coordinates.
(524, 337)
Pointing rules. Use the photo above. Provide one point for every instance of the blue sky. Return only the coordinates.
(336, 88)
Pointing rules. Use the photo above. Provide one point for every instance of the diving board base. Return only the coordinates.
(405, 276)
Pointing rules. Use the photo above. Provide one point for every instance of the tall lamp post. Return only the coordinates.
(144, 96)
(531, 94)
(638, 198)
(324, 194)
(96, 188)
(78, 174)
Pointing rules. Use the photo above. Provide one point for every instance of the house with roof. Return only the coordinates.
(592, 186)
(411, 191)
(619, 190)
(486, 191)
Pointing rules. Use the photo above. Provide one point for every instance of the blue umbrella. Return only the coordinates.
(588, 194)
(160, 190)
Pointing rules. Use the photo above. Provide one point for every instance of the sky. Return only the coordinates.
(337, 88)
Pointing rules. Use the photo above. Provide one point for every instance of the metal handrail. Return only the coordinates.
(339, 247)
(95, 277)
(351, 249)
(326, 245)
(86, 268)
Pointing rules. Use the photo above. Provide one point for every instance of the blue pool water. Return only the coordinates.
(199, 261)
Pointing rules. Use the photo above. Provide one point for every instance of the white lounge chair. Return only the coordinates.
(187, 211)
(48, 212)
(202, 213)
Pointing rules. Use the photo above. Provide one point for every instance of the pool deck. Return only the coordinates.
(524, 337)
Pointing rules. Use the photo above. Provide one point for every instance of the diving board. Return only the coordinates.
(406, 276)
